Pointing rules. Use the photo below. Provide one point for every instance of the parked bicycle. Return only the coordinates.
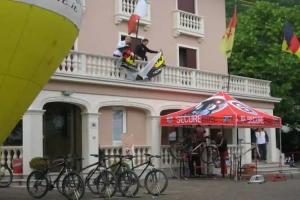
(209, 153)
(39, 182)
(117, 177)
(156, 181)
(6, 176)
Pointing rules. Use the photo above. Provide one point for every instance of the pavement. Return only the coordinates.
(192, 189)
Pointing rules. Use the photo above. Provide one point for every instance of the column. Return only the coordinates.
(32, 137)
(90, 137)
(272, 151)
(245, 134)
(155, 138)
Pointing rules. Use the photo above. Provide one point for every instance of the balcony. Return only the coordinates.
(105, 69)
(188, 24)
(124, 9)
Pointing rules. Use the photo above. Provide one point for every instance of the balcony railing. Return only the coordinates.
(105, 68)
(124, 9)
(188, 23)
(9, 153)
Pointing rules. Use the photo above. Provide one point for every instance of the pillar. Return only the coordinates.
(245, 134)
(272, 151)
(155, 138)
(32, 137)
(90, 137)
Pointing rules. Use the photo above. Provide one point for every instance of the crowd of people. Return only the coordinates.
(124, 49)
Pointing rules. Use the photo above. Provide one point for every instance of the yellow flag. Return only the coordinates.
(228, 37)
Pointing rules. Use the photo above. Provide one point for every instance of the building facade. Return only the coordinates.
(88, 102)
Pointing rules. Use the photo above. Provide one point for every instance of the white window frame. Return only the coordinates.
(124, 125)
(123, 33)
(189, 47)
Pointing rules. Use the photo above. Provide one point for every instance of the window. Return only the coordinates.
(134, 41)
(186, 5)
(119, 125)
(187, 57)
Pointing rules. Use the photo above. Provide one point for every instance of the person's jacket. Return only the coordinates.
(141, 51)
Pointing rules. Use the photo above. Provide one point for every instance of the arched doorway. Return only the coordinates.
(62, 130)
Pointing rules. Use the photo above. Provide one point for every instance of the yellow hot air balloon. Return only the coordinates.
(35, 35)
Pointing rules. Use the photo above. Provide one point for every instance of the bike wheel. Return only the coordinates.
(59, 183)
(91, 180)
(128, 183)
(37, 184)
(6, 176)
(106, 184)
(73, 186)
(210, 155)
(156, 182)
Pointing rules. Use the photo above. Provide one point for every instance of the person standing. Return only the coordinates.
(261, 140)
(223, 151)
(194, 156)
(122, 46)
(142, 49)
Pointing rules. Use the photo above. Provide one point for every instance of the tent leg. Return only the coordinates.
(280, 146)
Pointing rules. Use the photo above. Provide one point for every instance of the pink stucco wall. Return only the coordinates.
(99, 33)
(136, 126)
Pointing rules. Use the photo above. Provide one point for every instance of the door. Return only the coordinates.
(62, 130)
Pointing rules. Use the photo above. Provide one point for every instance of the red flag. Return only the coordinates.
(140, 11)
(132, 23)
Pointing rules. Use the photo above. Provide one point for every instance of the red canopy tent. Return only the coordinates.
(221, 110)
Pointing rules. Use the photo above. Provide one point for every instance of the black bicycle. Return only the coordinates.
(72, 186)
(6, 176)
(117, 176)
(156, 181)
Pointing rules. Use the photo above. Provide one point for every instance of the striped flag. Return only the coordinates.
(228, 37)
(140, 10)
(290, 42)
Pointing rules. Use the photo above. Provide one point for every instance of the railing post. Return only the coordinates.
(82, 65)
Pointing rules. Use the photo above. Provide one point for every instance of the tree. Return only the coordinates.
(257, 53)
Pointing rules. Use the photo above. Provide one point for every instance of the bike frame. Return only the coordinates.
(147, 163)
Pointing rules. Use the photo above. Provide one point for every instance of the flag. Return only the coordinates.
(153, 67)
(140, 11)
(228, 37)
(290, 42)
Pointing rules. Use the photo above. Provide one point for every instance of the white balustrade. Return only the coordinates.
(166, 159)
(108, 68)
(9, 153)
(111, 150)
(124, 9)
(139, 152)
(188, 23)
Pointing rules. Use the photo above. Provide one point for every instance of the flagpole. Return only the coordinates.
(137, 29)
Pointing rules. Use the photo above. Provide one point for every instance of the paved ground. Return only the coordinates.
(195, 189)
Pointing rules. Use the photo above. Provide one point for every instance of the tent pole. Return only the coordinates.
(280, 146)
(236, 154)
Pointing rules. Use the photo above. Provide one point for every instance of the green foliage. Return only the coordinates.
(257, 53)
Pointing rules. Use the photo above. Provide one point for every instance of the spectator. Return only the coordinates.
(122, 46)
(223, 151)
(142, 49)
(261, 140)
(194, 157)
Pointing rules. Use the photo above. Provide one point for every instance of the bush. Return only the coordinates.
(38, 163)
